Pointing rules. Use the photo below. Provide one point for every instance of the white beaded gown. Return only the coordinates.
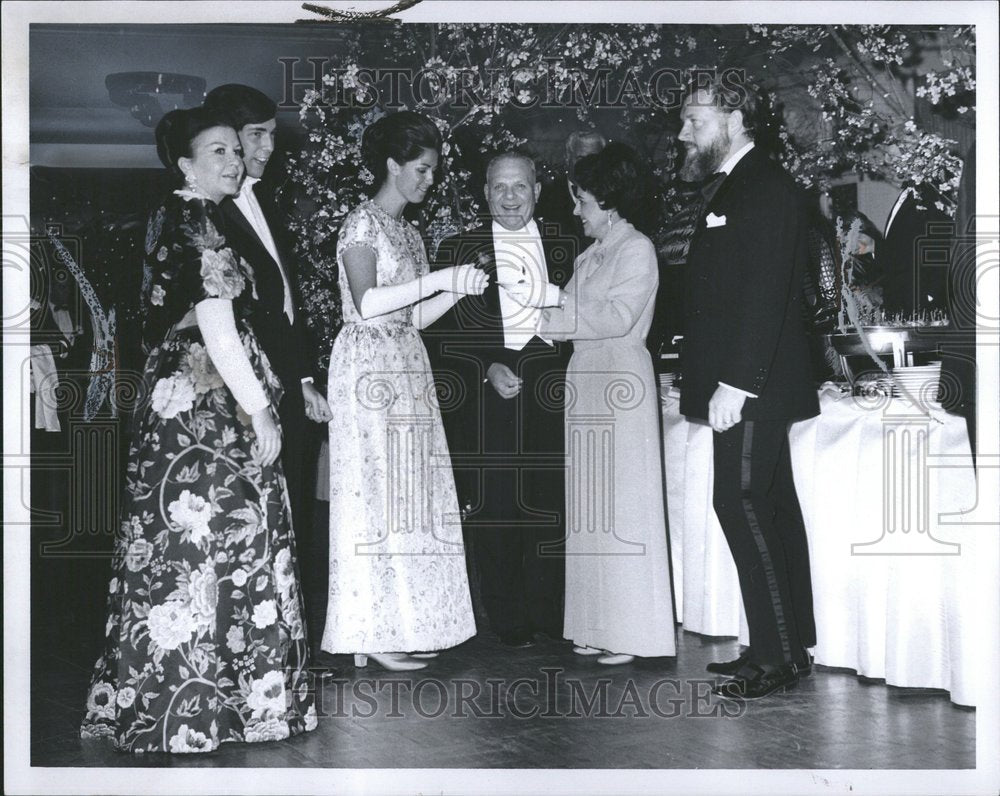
(398, 580)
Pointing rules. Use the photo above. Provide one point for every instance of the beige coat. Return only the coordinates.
(618, 594)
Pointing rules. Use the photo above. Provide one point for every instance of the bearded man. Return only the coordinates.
(746, 371)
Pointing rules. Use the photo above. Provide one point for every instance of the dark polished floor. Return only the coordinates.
(482, 706)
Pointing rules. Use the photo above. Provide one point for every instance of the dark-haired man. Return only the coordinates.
(746, 371)
(257, 232)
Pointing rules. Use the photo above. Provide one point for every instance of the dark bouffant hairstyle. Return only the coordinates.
(618, 181)
(244, 104)
(177, 129)
(402, 136)
(733, 90)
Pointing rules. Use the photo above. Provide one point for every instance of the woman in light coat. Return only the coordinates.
(618, 594)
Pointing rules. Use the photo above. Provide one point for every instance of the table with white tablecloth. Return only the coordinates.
(885, 490)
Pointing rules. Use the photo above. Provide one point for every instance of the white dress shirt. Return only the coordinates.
(735, 158)
(250, 207)
(519, 257)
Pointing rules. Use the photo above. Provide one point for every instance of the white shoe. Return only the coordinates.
(615, 659)
(424, 654)
(391, 661)
(589, 651)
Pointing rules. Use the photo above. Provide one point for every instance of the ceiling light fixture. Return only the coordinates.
(149, 95)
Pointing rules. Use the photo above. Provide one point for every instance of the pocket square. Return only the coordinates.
(712, 220)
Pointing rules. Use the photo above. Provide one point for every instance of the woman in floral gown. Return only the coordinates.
(398, 582)
(204, 639)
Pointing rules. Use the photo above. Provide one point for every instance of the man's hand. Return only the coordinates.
(725, 409)
(317, 409)
(503, 380)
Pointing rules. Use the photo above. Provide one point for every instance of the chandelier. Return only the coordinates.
(149, 95)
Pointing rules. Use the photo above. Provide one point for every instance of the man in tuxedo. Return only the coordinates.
(511, 446)
(557, 200)
(746, 371)
(913, 253)
(255, 229)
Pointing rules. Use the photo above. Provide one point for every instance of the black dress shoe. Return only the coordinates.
(730, 667)
(549, 634)
(755, 683)
(517, 638)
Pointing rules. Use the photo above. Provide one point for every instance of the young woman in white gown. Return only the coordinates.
(398, 581)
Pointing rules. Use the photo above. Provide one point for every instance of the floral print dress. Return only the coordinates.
(204, 639)
(398, 581)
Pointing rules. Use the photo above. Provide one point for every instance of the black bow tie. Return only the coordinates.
(711, 184)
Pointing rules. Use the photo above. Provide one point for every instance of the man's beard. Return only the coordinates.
(699, 163)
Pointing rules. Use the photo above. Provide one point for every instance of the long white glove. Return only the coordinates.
(460, 279)
(225, 349)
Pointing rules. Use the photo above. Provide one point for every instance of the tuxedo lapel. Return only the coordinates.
(746, 166)
(250, 245)
(718, 204)
(486, 257)
(275, 225)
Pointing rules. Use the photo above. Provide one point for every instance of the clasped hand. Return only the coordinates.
(467, 280)
(503, 380)
(317, 409)
(725, 408)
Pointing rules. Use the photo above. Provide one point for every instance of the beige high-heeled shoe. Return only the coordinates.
(616, 659)
(390, 661)
(589, 651)
(423, 654)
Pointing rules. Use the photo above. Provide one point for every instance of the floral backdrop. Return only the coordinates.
(888, 102)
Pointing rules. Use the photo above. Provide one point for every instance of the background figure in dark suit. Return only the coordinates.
(511, 459)
(746, 371)
(556, 202)
(257, 231)
(917, 233)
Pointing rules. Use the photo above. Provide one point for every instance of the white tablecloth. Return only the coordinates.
(895, 605)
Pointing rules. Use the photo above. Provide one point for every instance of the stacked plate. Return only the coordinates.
(920, 381)
(667, 381)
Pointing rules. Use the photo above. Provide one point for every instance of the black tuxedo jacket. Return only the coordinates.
(743, 323)
(915, 256)
(284, 343)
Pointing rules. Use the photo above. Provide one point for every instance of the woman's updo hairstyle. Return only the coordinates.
(178, 128)
(618, 179)
(402, 136)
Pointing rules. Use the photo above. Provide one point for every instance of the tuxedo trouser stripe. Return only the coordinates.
(761, 542)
